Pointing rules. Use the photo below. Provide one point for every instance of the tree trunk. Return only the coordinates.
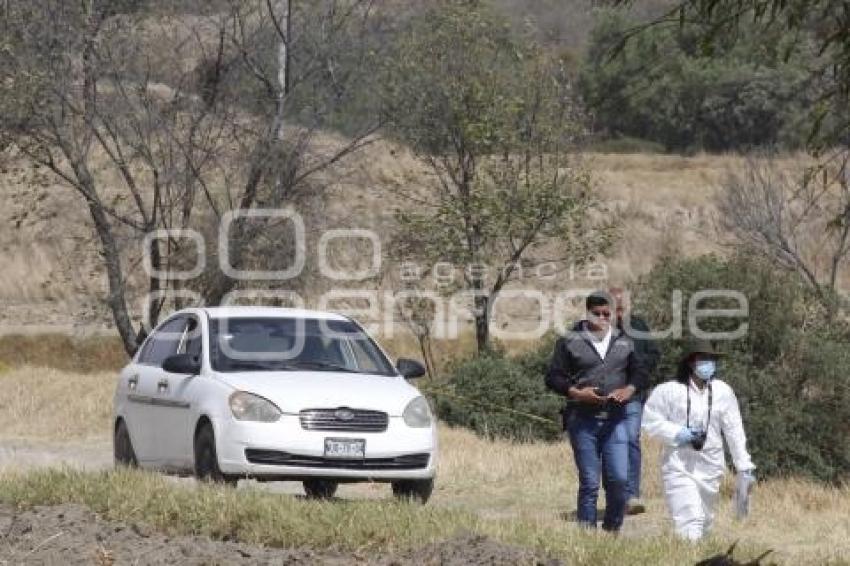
(117, 288)
(155, 286)
(427, 353)
(482, 320)
(286, 53)
(116, 299)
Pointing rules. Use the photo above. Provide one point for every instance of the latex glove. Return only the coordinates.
(684, 436)
(743, 486)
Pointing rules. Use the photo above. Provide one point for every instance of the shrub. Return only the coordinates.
(791, 372)
(502, 397)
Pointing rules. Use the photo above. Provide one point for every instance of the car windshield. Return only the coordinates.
(281, 344)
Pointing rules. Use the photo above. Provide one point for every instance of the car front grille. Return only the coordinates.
(277, 458)
(344, 419)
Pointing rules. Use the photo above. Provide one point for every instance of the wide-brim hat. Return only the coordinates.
(700, 347)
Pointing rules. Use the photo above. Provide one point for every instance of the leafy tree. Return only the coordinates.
(666, 87)
(823, 24)
(494, 118)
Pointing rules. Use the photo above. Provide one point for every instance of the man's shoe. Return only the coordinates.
(635, 506)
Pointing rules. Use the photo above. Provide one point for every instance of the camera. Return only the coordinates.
(698, 440)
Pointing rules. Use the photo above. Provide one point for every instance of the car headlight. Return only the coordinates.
(249, 407)
(417, 414)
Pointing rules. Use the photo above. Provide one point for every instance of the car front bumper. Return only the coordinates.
(283, 449)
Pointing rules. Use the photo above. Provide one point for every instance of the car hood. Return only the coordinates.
(293, 391)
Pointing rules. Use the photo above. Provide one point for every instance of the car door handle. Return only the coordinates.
(133, 382)
(162, 386)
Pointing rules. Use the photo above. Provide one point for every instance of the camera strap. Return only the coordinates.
(688, 416)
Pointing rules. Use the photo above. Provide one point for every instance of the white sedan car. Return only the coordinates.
(274, 394)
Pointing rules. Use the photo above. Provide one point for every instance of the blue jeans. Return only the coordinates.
(634, 412)
(600, 444)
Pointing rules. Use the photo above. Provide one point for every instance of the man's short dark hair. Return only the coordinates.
(597, 299)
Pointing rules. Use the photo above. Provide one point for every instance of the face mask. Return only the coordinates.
(705, 369)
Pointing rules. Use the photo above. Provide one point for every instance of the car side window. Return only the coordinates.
(163, 342)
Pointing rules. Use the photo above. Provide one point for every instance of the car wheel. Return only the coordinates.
(122, 447)
(320, 489)
(206, 459)
(413, 490)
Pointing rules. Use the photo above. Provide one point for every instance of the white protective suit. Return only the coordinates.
(692, 478)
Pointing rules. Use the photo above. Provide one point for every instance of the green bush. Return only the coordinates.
(791, 372)
(502, 397)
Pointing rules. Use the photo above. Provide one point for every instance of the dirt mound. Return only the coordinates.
(72, 534)
(473, 549)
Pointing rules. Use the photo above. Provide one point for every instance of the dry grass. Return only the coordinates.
(63, 352)
(804, 522)
(517, 493)
(665, 180)
(48, 404)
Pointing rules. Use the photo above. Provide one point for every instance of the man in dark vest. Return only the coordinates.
(597, 369)
(648, 354)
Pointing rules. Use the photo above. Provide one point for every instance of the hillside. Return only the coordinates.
(51, 275)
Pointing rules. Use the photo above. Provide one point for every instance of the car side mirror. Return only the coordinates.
(410, 369)
(186, 364)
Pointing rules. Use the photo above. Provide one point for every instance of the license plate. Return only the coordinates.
(347, 448)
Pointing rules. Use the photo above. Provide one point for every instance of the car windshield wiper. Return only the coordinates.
(318, 365)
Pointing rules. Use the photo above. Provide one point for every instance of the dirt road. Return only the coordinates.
(96, 454)
(88, 455)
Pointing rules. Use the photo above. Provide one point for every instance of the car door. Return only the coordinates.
(142, 385)
(175, 394)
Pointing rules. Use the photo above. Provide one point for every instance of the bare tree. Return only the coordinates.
(90, 105)
(799, 217)
(418, 312)
(80, 113)
(281, 161)
(416, 306)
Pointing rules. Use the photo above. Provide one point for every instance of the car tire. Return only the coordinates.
(319, 489)
(413, 490)
(122, 447)
(206, 458)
